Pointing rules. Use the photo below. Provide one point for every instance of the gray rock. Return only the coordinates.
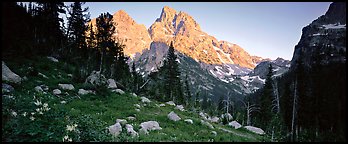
(38, 89)
(84, 92)
(138, 110)
(235, 124)
(70, 75)
(149, 126)
(8, 75)
(115, 129)
(173, 116)
(207, 124)
(204, 115)
(44, 76)
(52, 59)
(57, 92)
(7, 88)
(66, 86)
(145, 100)
(170, 103)
(137, 105)
(130, 118)
(188, 121)
(119, 91)
(111, 84)
(180, 107)
(25, 78)
(134, 95)
(255, 130)
(162, 105)
(95, 78)
(44, 87)
(227, 115)
(121, 121)
(131, 131)
(214, 119)
(214, 133)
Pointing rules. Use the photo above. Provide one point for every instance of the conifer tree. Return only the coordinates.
(266, 100)
(173, 86)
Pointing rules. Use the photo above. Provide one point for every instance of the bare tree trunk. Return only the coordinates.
(294, 110)
(276, 94)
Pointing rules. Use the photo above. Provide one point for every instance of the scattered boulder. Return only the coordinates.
(137, 105)
(214, 119)
(204, 115)
(119, 91)
(8, 75)
(131, 131)
(145, 100)
(134, 95)
(171, 103)
(38, 89)
(121, 121)
(148, 126)
(214, 133)
(52, 59)
(207, 124)
(162, 105)
(84, 92)
(235, 124)
(44, 76)
(130, 118)
(227, 115)
(255, 130)
(180, 107)
(7, 88)
(111, 84)
(57, 92)
(189, 121)
(70, 75)
(44, 87)
(95, 78)
(173, 116)
(138, 110)
(66, 86)
(115, 129)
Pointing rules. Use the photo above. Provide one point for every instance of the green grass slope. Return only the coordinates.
(28, 115)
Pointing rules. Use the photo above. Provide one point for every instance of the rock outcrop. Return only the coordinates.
(8, 75)
(173, 116)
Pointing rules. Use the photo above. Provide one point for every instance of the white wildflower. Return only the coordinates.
(46, 109)
(37, 102)
(24, 114)
(32, 113)
(14, 113)
(40, 112)
(45, 105)
(32, 118)
(70, 140)
(37, 109)
(70, 128)
(65, 138)
(63, 102)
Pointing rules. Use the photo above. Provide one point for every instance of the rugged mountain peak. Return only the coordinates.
(337, 12)
(128, 32)
(167, 14)
(189, 39)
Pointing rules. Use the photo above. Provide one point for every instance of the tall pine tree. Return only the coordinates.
(173, 86)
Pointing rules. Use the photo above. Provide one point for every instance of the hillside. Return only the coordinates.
(29, 114)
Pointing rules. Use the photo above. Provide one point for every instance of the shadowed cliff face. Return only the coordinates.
(324, 40)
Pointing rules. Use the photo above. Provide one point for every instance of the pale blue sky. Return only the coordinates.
(266, 29)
